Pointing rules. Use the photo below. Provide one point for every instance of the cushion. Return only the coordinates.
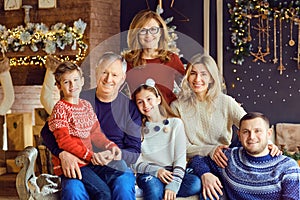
(288, 136)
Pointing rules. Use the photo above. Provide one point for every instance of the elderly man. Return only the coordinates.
(251, 172)
(120, 121)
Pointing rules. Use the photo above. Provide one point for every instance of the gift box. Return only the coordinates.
(19, 131)
(40, 116)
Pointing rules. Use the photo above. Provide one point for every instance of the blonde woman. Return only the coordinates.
(208, 114)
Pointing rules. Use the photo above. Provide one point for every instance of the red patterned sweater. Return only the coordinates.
(76, 128)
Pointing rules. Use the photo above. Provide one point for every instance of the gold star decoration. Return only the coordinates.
(259, 55)
(275, 60)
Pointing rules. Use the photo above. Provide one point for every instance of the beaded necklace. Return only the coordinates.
(157, 128)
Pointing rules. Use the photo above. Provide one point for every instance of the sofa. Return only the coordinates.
(45, 186)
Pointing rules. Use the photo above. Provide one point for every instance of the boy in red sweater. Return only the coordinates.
(76, 129)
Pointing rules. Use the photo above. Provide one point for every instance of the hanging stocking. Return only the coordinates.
(7, 86)
(49, 93)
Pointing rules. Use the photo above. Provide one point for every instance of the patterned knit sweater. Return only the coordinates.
(164, 148)
(206, 130)
(255, 178)
(76, 129)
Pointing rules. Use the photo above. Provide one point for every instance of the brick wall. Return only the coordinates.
(102, 18)
(103, 21)
(27, 98)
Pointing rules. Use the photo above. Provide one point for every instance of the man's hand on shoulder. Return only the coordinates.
(219, 157)
(69, 163)
(274, 150)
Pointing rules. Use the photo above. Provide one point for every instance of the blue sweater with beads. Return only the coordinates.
(255, 178)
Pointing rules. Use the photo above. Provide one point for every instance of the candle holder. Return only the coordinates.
(26, 11)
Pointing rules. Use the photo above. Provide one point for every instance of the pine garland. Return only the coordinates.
(241, 10)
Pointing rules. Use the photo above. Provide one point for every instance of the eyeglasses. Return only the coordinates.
(153, 30)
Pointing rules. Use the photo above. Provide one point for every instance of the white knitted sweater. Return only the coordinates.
(164, 149)
(205, 129)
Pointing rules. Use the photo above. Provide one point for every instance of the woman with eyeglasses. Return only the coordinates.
(149, 54)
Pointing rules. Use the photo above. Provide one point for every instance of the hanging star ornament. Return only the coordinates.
(275, 60)
(259, 55)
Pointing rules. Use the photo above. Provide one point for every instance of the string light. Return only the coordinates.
(240, 11)
(36, 41)
(41, 60)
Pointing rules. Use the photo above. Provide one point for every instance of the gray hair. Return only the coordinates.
(109, 57)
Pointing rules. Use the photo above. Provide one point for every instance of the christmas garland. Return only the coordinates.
(241, 10)
(38, 37)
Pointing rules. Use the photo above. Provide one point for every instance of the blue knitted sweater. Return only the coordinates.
(255, 178)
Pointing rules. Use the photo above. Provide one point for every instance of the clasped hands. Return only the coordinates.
(70, 163)
(104, 157)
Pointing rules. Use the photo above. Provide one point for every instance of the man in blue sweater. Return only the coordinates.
(120, 121)
(251, 172)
